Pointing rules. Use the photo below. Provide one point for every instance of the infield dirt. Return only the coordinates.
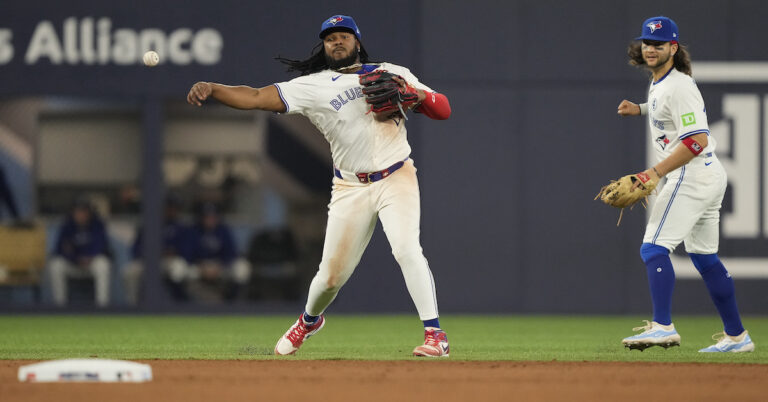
(305, 380)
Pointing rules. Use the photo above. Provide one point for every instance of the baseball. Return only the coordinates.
(151, 58)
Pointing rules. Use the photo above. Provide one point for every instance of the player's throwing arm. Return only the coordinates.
(239, 97)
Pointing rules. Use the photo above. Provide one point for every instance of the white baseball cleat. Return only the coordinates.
(435, 344)
(733, 344)
(654, 334)
(292, 340)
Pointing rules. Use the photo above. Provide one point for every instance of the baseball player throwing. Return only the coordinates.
(360, 107)
(687, 209)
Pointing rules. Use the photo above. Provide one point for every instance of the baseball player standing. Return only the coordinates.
(373, 174)
(688, 208)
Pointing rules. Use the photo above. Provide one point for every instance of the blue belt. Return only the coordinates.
(373, 176)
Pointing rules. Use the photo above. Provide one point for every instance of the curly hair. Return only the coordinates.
(316, 61)
(681, 59)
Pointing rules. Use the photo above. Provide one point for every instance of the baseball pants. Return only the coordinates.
(352, 215)
(688, 208)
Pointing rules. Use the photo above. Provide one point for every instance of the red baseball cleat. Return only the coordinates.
(435, 344)
(296, 335)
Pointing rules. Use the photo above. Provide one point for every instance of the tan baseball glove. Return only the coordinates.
(622, 193)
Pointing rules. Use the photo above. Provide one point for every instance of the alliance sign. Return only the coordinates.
(89, 41)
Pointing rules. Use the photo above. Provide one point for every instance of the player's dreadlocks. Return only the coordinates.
(317, 61)
(681, 60)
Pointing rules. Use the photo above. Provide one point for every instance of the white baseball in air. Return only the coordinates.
(151, 58)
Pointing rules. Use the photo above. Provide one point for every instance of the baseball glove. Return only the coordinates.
(620, 193)
(388, 93)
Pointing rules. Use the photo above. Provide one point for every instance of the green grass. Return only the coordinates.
(387, 337)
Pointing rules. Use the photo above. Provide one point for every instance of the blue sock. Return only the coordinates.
(310, 319)
(661, 279)
(721, 290)
(432, 323)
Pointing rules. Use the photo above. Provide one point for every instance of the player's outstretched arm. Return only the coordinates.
(238, 97)
(627, 108)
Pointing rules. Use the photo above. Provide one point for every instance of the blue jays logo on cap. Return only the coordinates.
(339, 23)
(660, 29)
(654, 25)
(335, 20)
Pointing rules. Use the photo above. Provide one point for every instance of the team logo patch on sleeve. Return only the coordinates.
(688, 119)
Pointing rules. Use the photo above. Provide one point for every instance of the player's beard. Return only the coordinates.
(343, 62)
(660, 62)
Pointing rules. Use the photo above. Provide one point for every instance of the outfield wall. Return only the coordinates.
(508, 218)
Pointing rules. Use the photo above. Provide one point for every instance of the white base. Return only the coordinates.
(85, 370)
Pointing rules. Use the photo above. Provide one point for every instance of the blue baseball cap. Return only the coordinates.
(339, 23)
(661, 29)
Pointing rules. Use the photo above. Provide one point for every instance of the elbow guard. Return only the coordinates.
(435, 106)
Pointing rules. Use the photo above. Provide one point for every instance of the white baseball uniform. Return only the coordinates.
(688, 206)
(335, 104)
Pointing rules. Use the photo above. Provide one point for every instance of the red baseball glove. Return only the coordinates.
(388, 93)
